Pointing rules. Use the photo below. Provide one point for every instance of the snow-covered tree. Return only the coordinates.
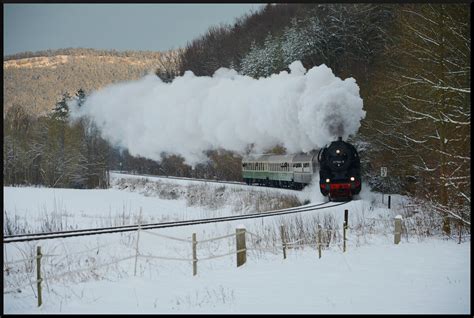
(61, 110)
(252, 64)
(428, 123)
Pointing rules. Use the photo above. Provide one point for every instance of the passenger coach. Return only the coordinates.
(288, 171)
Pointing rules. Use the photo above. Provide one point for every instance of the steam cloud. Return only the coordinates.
(299, 110)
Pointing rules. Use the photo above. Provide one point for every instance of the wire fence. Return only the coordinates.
(258, 244)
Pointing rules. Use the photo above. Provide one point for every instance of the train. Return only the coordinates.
(338, 164)
(339, 170)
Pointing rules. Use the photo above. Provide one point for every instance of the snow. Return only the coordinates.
(428, 276)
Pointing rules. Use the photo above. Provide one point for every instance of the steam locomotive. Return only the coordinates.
(339, 170)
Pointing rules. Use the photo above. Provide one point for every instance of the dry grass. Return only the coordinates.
(211, 196)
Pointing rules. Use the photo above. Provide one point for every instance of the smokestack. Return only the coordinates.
(339, 138)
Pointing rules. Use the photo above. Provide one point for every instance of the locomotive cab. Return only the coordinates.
(339, 174)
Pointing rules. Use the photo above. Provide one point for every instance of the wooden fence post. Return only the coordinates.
(344, 229)
(329, 238)
(344, 238)
(398, 229)
(460, 230)
(319, 239)
(240, 240)
(282, 232)
(346, 217)
(136, 251)
(194, 255)
(38, 274)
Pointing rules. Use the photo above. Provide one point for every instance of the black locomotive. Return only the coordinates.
(339, 171)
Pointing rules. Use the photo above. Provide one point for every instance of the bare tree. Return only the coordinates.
(427, 125)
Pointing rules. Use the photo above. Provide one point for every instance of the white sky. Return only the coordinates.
(154, 27)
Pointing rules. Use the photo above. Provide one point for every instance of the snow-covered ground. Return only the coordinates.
(430, 275)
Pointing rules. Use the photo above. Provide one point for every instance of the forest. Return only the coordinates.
(411, 62)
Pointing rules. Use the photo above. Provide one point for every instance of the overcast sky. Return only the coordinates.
(153, 27)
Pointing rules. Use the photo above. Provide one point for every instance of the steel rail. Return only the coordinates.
(149, 224)
(172, 224)
(200, 180)
(179, 178)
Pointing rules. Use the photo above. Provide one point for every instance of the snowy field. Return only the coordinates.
(101, 274)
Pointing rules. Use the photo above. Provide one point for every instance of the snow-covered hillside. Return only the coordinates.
(86, 274)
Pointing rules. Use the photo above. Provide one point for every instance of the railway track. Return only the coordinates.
(128, 228)
(177, 178)
(193, 179)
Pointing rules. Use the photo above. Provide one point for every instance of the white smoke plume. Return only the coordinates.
(301, 110)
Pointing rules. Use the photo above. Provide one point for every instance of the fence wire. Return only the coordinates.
(95, 267)
(222, 255)
(166, 258)
(217, 238)
(167, 236)
(274, 249)
(6, 263)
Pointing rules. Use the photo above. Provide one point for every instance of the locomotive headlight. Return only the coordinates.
(338, 151)
(327, 180)
(353, 179)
